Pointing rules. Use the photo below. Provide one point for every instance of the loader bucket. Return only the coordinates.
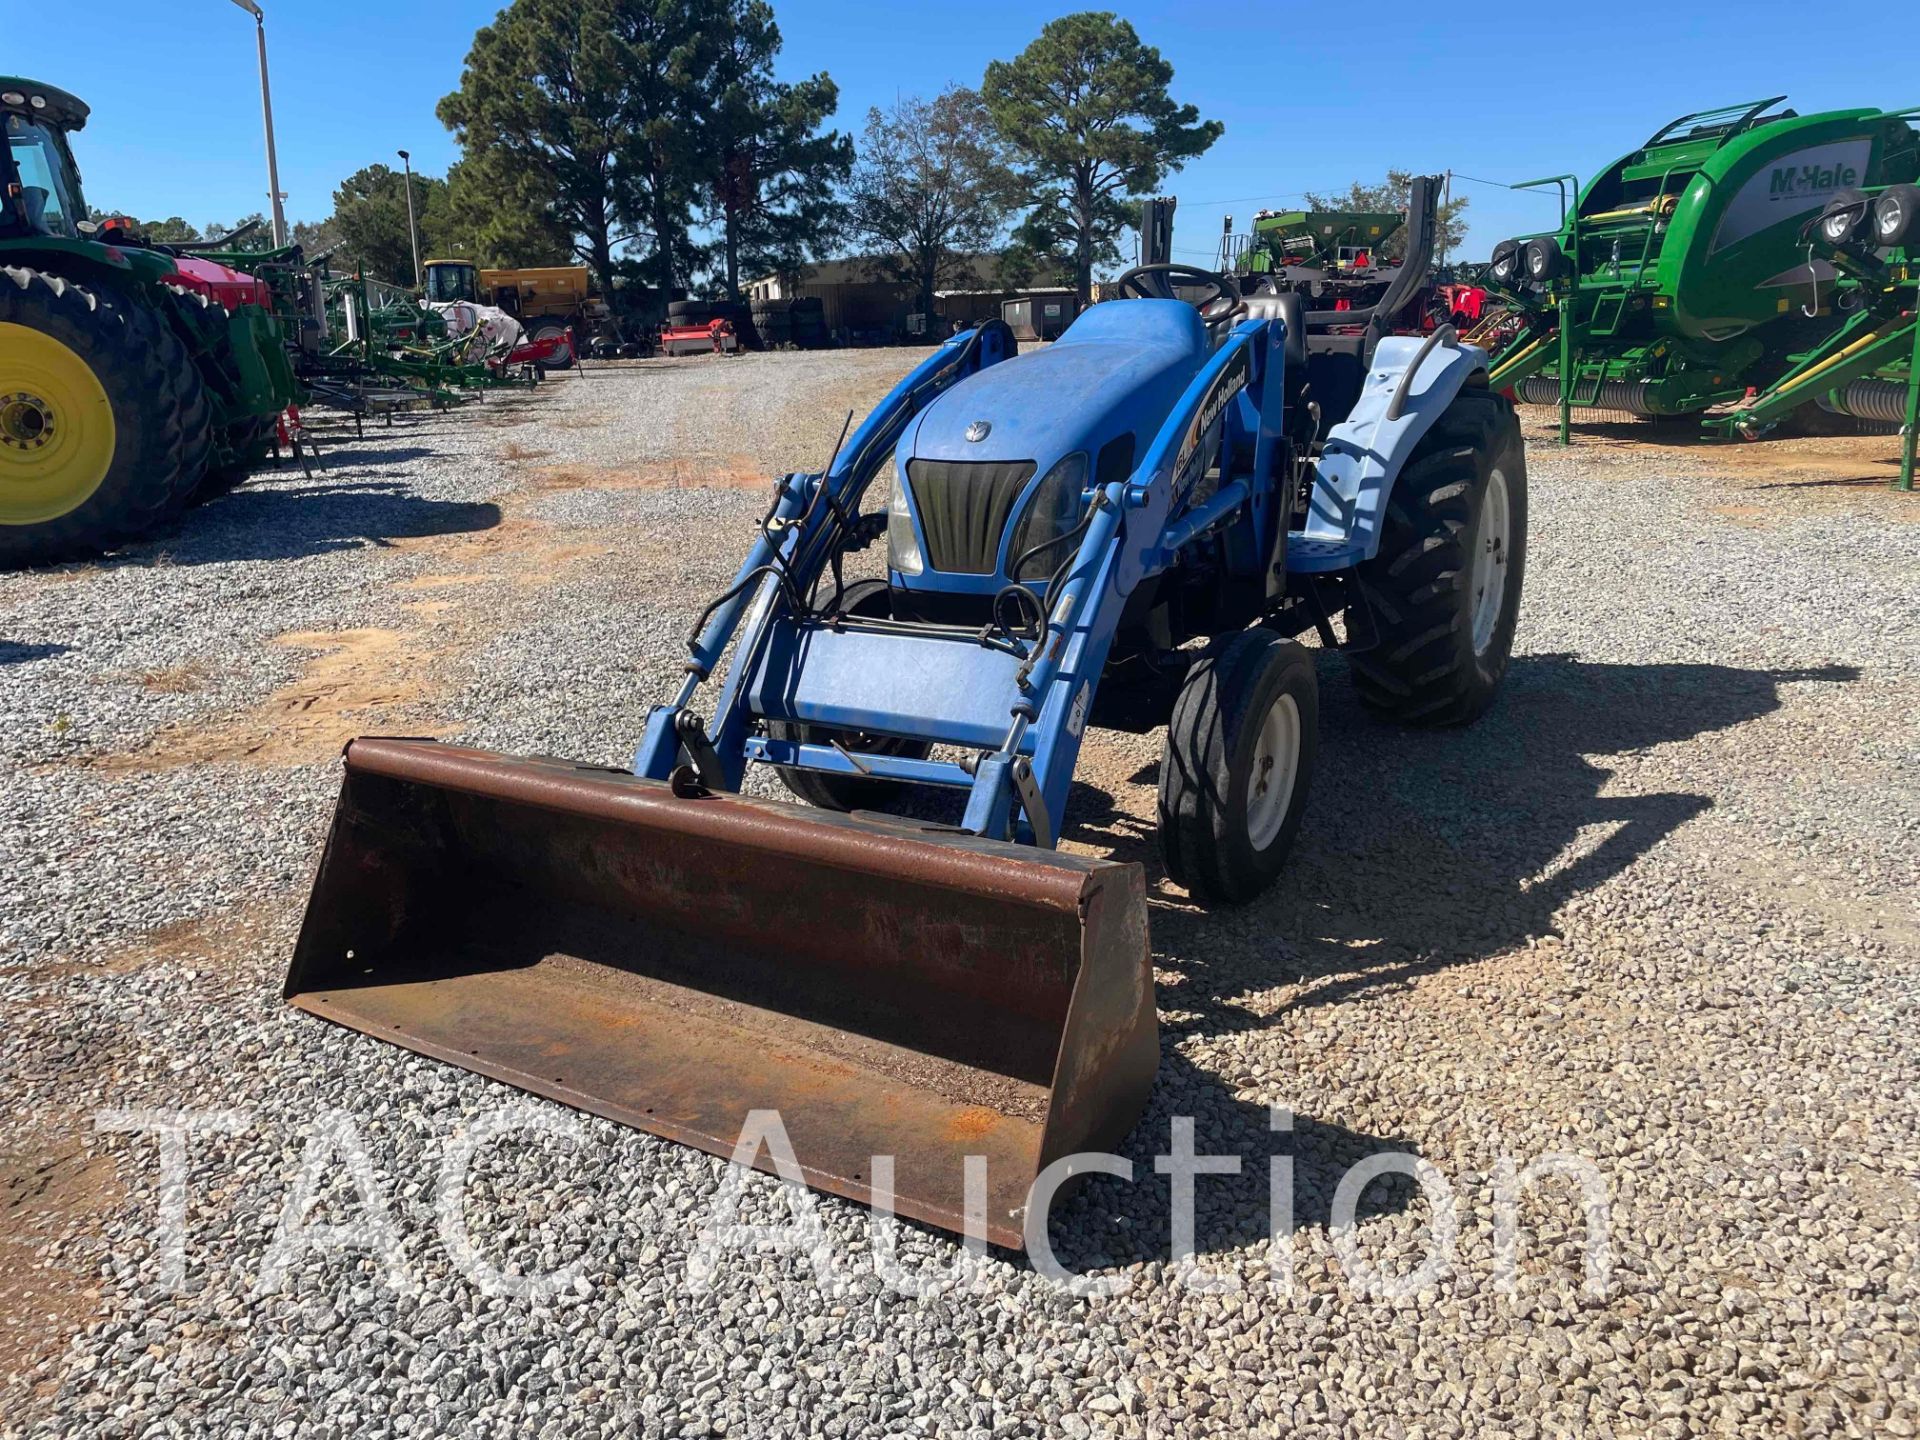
(676, 963)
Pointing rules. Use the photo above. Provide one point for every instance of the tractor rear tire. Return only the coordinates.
(847, 792)
(246, 441)
(138, 421)
(1443, 592)
(1238, 763)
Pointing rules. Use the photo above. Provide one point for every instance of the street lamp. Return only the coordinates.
(266, 110)
(413, 228)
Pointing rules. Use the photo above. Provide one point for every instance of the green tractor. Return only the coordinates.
(133, 381)
(1682, 277)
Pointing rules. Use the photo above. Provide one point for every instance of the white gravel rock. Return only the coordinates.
(1656, 909)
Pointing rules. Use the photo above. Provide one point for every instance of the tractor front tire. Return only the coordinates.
(847, 792)
(104, 422)
(1443, 593)
(1238, 762)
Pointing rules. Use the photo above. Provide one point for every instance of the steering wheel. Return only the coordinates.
(1221, 304)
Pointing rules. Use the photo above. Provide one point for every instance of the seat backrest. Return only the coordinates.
(1287, 308)
(1336, 370)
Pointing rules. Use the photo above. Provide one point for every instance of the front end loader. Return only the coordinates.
(1128, 529)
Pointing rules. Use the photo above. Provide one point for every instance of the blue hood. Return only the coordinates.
(1118, 369)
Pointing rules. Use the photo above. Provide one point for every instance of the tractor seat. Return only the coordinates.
(1289, 311)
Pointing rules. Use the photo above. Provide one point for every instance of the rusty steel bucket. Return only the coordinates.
(676, 963)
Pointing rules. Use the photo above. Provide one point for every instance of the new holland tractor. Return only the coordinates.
(129, 387)
(1128, 528)
(1681, 277)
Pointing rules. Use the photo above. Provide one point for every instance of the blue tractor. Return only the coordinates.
(1128, 528)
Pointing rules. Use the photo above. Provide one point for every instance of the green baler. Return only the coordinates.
(1869, 366)
(1684, 269)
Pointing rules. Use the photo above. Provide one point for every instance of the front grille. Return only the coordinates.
(964, 507)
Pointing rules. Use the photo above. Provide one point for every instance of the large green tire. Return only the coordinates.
(116, 427)
(1442, 648)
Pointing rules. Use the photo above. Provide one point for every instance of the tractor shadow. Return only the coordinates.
(1111, 1222)
(283, 524)
(353, 455)
(1422, 850)
(17, 652)
(1419, 851)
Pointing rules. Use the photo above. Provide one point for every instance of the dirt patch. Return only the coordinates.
(728, 472)
(1756, 517)
(442, 582)
(47, 1191)
(519, 551)
(175, 679)
(515, 451)
(357, 680)
(372, 680)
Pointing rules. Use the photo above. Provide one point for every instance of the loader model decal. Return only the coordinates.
(1793, 186)
(1193, 451)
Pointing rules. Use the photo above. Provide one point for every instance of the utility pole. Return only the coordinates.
(413, 227)
(266, 110)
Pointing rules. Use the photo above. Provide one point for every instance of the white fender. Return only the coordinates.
(1364, 454)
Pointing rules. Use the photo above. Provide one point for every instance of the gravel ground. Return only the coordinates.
(1655, 910)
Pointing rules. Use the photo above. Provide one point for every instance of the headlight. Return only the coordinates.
(903, 546)
(1055, 509)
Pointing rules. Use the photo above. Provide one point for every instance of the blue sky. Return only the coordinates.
(176, 127)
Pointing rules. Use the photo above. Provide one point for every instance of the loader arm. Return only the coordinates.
(1019, 703)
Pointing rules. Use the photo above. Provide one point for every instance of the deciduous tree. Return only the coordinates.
(171, 231)
(929, 188)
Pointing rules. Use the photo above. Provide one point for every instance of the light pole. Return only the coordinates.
(413, 228)
(266, 111)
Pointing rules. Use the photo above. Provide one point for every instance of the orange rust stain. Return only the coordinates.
(973, 1123)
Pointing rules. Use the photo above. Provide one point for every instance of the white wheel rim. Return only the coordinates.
(1276, 766)
(1492, 550)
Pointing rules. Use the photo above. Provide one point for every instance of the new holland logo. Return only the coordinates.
(1229, 383)
(979, 430)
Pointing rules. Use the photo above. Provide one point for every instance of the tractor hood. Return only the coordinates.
(1117, 370)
